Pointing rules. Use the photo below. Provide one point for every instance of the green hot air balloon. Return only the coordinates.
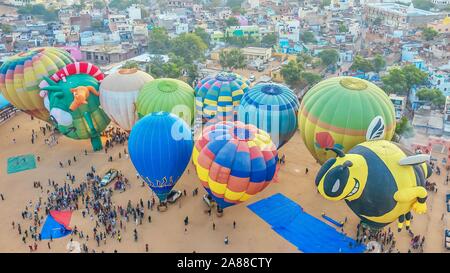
(337, 112)
(167, 95)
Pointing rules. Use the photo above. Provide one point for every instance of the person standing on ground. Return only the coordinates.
(234, 224)
(146, 247)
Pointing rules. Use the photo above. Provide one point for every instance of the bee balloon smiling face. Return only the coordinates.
(379, 180)
(343, 177)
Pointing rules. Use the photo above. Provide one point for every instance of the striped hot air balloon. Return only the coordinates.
(336, 113)
(273, 108)
(21, 74)
(219, 97)
(234, 161)
(167, 95)
(118, 95)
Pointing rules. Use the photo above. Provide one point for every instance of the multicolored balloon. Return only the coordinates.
(118, 95)
(273, 108)
(337, 112)
(71, 96)
(21, 74)
(168, 95)
(234, 161)
(219, 97)
(160, 147)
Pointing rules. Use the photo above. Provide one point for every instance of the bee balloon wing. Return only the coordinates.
(414, 160)
(376, 131)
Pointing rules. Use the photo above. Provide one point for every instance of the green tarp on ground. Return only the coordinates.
(21, 163)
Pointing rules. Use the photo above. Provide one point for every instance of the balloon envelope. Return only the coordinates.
(118, 95)
(21, 74)
(167, 95)
(234, 161)
(272, 108)
(338, 111)
(220, 96)
(160, 147)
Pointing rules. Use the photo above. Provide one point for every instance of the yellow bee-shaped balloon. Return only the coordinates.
(379, 180)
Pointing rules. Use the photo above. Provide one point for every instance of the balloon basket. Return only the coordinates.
(162, 207)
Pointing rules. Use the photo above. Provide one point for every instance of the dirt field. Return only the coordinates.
(166, 231)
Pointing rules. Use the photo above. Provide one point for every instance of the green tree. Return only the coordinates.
(429, 33)
(232, 21)
(269, 40)
(233, 4)
(395, 82)
(431, 95)
(204, 35)
(98, 4)
(189, 46)
(130, 64)
(310, 78)
(325, 3)
(423, 4)
(404, 128)
(291, 73)
(6, 29)
(413, 76)
(232, 59)
(342, 28)
(308, 37)
(159, 42)
(379, 63)
(362, 64)
(304, 58)
(329, 56)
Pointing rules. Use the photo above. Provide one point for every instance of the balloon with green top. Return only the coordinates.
(166, 95)
(336, 113)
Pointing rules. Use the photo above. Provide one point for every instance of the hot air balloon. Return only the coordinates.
(273, 108)
(337, 112)
(379, 180)
(72, 99)
(219, 97)
(234, 161)
(21, 74)
(118, 94)
(167, 95)
(160, 147)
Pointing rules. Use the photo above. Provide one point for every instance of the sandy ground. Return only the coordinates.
(166, 231)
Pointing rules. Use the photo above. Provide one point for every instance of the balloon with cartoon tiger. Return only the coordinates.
(378, 179)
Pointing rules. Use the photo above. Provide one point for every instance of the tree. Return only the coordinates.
(98, 4)
(431, 95)
(232, 59)
(130, 64)
(159, 42)
(233, 4)
(413, 76)
(269, 40)
(291, 73)
(232, 21)
(6, 29)
(304, 58)
(429, 33)
(379, 63)
(39, 10)
(423, 4)
(342, 28)
(329, 56)
(204, 35)
(310, 78)
(308, 37)
(189, 46)
(325, 3)
(395, 82)
(362, 64)
(97, 25)
(404, 128)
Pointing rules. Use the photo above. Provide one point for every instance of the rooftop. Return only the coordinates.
(401, 9)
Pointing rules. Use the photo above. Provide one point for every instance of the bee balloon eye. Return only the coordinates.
(347, 164)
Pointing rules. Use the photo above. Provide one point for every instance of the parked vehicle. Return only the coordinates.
(173, 196)
(109, 177)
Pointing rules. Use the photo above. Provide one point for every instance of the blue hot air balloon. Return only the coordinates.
(273, 108)
(160, 147)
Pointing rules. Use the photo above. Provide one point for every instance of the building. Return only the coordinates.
(441, 26)
(441, 3)
(257, 53)
(103, 55)
(134, 12)
(447, 116)
(21, 3)
(399, 103)
(397, 15)
(243, 31)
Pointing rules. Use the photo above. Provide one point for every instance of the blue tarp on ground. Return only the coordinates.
(307, 233)
(53, 229)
